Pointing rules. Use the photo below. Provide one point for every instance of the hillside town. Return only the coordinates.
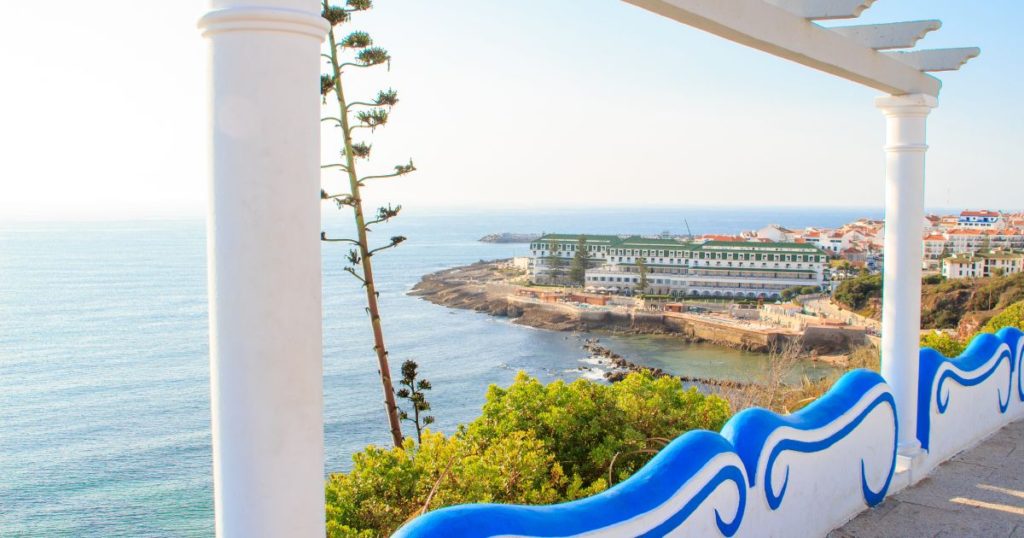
(763, 263)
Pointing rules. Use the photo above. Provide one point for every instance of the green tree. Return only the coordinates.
(578, 269)
(556, 263)
(356, 51)
(641, 267)
(414, 390)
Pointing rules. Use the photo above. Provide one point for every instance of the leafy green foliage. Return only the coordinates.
(578, 268)
(943, 343)
(414, 390)
(641, 267)
(386, 97)
(326, 84)
(795, 291)
(556, 263)
(372, 118)
(945, 304)
(403, 169)
(1012, 316)
(857, 291)
(373, 56)
(533, 444)
(361, 150)
(356, 40)
(359, 5)
(335, 15)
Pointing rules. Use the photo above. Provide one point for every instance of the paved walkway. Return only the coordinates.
(979, 492)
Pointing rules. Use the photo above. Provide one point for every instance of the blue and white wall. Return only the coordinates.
(767, 474)
(963, 400)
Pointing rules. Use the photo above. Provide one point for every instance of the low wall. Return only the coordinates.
(962, 400)
(762, 476)
(767, 474)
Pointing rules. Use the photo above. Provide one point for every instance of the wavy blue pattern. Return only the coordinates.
(1014, 337)
(980, 351)
(750, 430)
(646, 490)
(662, 478)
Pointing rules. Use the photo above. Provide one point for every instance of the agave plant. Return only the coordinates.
(353, 51)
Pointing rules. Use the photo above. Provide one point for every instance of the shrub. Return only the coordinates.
(943, 343)
(1013, 316)
(855, 292)
(533, 444)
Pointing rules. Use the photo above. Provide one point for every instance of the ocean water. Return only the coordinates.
(104, 395)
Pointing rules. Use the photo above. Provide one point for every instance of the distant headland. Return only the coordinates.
(509, 238)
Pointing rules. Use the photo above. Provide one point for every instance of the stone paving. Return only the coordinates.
(979, 492)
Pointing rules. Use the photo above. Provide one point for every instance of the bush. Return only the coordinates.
(533, 444)
(1013, 316)
(856, 292)
(932, 279)
(943, 343)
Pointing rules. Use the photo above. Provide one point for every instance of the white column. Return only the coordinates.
(905, 148)
(264, 267)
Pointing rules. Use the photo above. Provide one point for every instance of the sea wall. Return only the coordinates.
(767, 474)
(717, 332)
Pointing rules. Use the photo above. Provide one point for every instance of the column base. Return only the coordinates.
(909, 470)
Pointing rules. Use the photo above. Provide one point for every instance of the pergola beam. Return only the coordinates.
(936, 59)
(777, 31)
(893, 35)
(824, 9)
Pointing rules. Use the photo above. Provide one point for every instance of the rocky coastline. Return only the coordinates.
(506, 237)
(621, 367)
(487, 286)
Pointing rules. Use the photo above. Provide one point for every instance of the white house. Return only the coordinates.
(980, 219)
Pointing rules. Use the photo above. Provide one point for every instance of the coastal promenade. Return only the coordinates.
(979, 492)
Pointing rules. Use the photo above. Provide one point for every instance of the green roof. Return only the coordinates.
(635, 241)
(576, 237)
(751, 244)
(759, 269)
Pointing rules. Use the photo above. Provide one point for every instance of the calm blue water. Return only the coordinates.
(104, 404)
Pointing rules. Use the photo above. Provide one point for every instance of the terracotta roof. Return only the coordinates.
(982, 213)
(713, 237)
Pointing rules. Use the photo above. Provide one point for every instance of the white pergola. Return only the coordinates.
(264, 224)
(866, 54)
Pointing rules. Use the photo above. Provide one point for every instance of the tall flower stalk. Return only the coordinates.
(354, 51)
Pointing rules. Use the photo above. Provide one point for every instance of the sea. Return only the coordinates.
(104, 366)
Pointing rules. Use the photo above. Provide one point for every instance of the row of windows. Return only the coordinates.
(701, 255)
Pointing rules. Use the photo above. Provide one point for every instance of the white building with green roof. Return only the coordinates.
(983, 264)
(735, 269)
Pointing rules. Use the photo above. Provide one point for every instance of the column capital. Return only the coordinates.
(283, 18)
(909, 104)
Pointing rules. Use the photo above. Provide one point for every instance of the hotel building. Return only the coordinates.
(740, 269)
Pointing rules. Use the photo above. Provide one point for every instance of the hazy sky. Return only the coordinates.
(525, 103)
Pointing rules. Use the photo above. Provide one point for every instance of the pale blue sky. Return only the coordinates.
(534, 102)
